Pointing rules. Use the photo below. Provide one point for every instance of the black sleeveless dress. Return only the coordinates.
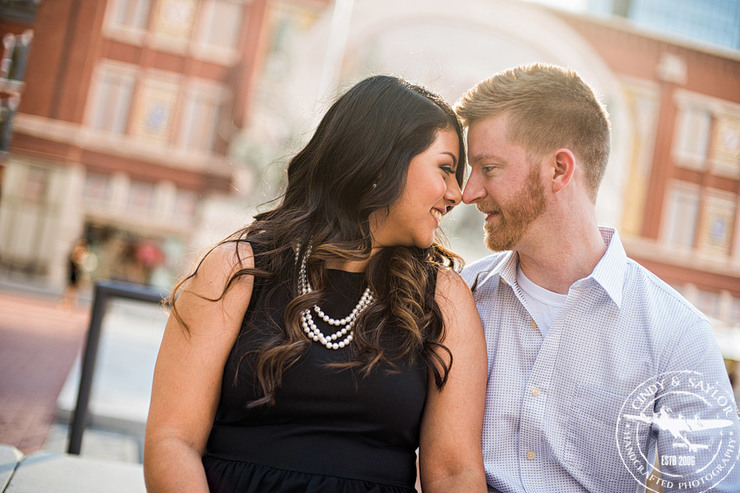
(330, 430)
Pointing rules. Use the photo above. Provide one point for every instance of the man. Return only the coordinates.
(600, 376)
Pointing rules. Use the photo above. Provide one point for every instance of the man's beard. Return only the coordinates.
(515, 218)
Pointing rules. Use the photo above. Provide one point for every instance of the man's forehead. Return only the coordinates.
(488, 140)
(498, 121)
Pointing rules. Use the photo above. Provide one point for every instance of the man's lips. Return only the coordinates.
(491, 214)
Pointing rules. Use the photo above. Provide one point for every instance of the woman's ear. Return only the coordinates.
(564, 168)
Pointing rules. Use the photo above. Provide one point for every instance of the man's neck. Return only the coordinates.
(568, 256)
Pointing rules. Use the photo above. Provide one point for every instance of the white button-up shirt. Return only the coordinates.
(571, 411)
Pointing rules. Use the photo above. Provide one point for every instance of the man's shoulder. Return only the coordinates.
(648, 289)
(480, 268)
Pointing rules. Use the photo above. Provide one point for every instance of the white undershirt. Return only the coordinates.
(543, 304)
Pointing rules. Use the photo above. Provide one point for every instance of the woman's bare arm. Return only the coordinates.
(450, 456)
(187, 376)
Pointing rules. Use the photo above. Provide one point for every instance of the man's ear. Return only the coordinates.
(564, 167)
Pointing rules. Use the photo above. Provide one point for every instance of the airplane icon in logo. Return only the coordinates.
(680, 426)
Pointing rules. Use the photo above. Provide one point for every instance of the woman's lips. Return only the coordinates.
(437, 216)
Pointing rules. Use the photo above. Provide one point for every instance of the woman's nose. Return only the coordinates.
(453, 195)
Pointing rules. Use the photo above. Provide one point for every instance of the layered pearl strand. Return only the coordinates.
(343, 336)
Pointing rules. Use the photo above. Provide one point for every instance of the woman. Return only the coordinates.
(262, 384)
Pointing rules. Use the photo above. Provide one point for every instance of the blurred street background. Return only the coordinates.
(134, 133)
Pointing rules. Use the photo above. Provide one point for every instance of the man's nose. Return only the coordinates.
(473, 190)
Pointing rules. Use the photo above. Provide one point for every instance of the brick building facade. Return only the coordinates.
(681, 216)
(123, 131)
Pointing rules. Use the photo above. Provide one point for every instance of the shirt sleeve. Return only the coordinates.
(695, 420)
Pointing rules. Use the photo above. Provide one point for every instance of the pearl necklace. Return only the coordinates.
(343, 336)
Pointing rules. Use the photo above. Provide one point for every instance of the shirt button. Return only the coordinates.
(530, 455)
(536, 391)
(534, 324)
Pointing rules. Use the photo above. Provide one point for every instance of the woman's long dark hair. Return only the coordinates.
(356, 163)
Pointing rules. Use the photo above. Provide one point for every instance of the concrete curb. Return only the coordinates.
(62, 473)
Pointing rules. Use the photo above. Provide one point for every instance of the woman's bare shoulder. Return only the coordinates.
(451, 283)
(219, 265)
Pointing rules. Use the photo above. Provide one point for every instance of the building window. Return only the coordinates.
(683, 212)
(127, 20)
(221, 26)
(173, 23)
(141, 196)
(155, 110)
(19, 9)
(735, 314)
(691, 138)
(200, 120)
(718, 217)
(709, 303)
(185, 203)
(643, 100)
(115, 89)
(97, 188)
(129, 14)
(36, 185)
(726, 146)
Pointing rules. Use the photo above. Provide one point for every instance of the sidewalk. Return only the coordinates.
(40, 348)
(40, 345)
(39, 342)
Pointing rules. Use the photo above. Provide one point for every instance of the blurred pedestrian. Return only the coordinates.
(75, 272)
(263, 384)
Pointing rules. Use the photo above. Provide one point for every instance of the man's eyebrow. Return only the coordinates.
(482, 157)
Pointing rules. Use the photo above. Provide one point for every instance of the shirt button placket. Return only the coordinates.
(530, 467)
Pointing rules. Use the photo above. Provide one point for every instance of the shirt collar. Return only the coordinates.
(608, 273)
(504, 270)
